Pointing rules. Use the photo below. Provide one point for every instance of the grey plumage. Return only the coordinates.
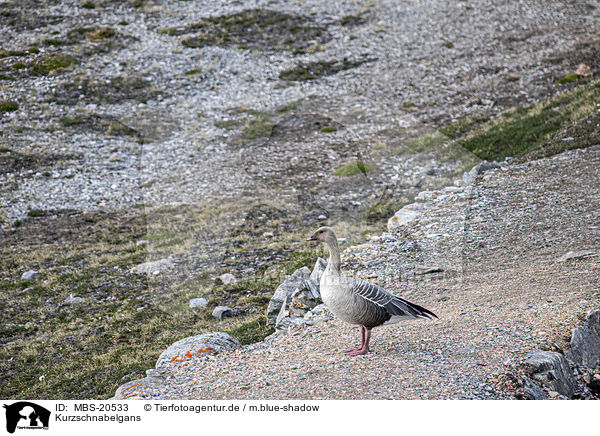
(384, 306)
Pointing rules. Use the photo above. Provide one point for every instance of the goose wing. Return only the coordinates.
(394, 305)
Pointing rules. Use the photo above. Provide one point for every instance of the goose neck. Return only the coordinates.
(334, 263)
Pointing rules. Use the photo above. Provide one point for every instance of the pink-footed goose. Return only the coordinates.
(358, 301)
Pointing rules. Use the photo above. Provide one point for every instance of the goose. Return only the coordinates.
(357, 301)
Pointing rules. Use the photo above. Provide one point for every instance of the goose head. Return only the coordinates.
(325, 235)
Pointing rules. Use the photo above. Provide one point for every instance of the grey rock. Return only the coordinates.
(283, 312)
(478, 169)
(551, 370)
(197, 346)
(227, 278)
(290, 322)
(531, 391)
(485, 166)
(578, 255)
(74, 300)
(198, 303)
(30, 275)
(318, 269)
(426, 195)
(305, 298)
(286, 289)
(585, 342)
(155, 267)
(222, 312)
(408, 213)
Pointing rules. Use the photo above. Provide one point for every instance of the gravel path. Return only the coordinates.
(509, 296)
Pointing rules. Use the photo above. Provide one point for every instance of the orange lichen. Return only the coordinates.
(190, 354)
(133, 386)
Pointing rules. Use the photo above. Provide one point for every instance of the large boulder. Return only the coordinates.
(585, 342)
(298, 294)
(196, 346)
(552, 371)
(297, 280)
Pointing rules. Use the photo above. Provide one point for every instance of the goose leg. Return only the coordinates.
(365, 335)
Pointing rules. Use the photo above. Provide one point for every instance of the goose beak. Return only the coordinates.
(312, 238)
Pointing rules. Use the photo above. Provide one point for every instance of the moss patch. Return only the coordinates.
(100, 34)
(353, 168)
(568, 78)
(329, 129)
(8, 106)
(259, 126)
(256, 28)
(9, 53)
(52, 63)
(115, 90)
(315, 70)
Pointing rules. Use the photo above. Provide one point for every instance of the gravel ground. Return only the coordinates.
(509, 296)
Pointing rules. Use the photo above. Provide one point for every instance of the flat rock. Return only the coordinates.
(197, 346)
(227, 278)
(405, 215)
(580, 254)
(198, 303)
(30, 275)
(154, 267)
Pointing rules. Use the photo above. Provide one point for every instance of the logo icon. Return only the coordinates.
(25, 414)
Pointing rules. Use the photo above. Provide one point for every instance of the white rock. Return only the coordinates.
(30, 275)
(195, 346)
(227, 278)
(71, 299)
(405, 215)
(198, 303)
(155, 267)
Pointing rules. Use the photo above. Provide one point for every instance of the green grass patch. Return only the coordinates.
(526, 129)
(462, 127)
(8, 106)
(568, 78)
(52, 63)
(315, 70)
(259, 126)
(193, 72)
(254, 330)
(36, 213)
(353, 168)
(226, 124)
(381, 210)
(329, 129)
(9, 53)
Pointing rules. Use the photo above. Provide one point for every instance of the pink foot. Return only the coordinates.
(357, 352)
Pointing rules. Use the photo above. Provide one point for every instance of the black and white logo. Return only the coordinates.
(26, 415)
